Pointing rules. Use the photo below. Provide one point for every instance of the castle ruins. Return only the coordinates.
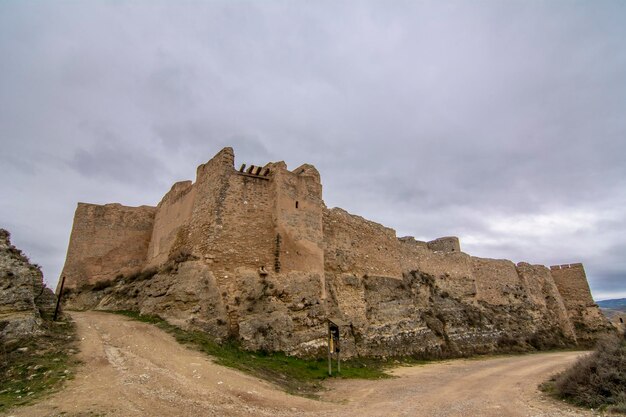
(255, 255)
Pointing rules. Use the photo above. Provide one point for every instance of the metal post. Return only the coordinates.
(330, 342)
(56, 309)
(338, 363)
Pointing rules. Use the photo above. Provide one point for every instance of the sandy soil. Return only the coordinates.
(135, 369)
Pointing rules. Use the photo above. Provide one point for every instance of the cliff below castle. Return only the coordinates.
(25, 302)
(253, 254)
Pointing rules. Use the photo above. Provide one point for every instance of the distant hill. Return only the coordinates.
(617, 304)
(613, 309)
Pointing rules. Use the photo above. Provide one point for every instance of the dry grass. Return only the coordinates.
(37, 366)
(598, 380)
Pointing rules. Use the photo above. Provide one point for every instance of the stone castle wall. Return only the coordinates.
(298, 211)
(571, 281)
(402, 296)
(583, 312)
(358, 246)
(254, 254)
(107, 241)
(172, 215)
(445, 244)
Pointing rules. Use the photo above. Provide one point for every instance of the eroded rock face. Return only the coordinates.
(24, 299)
(424, 315)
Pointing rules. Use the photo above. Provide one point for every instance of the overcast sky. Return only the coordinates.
(501, 122)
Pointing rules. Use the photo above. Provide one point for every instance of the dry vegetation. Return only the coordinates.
(37, 366)
(598, 380)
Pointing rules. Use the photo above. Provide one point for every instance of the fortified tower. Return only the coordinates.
(263, 218)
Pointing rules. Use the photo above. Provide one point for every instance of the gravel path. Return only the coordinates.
(135, 369)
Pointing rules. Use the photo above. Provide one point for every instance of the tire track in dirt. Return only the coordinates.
(135, 369)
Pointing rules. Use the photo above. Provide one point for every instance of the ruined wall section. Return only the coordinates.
(445, 244)
(247, 236)
(571, 281)
(207, 222)
(497, 281)
(541, 291)
(358, 246)
(452, 270)
(107, 241)
(231, 223)
(172, 213)
(298, 210)
(583, 312)
(281, 306)
(406, 297)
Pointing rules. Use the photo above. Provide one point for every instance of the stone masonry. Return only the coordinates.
(254, 254)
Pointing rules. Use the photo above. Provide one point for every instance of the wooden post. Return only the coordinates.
(56, 309)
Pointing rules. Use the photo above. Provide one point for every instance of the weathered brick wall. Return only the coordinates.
(172, 213)
(434, 302)
(571, 281)
(232, 221)
(541, 291)
(107, 241)
(445, 244)
(585, 316)
(245, 235)
(298, 206)
(497, 281)
(358, 246)
(212, 182)
(453, 271)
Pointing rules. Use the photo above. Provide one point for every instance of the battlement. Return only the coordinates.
(254, 172)
(410, 240)
(445, 244)
(566, 266)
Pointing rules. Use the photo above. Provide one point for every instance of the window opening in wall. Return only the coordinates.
(296, 204)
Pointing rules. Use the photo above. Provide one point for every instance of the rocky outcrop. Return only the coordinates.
(25, 302)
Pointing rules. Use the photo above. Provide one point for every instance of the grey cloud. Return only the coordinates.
(430, 117)
(112, 159)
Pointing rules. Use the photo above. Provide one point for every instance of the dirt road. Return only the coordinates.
(135, 369)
